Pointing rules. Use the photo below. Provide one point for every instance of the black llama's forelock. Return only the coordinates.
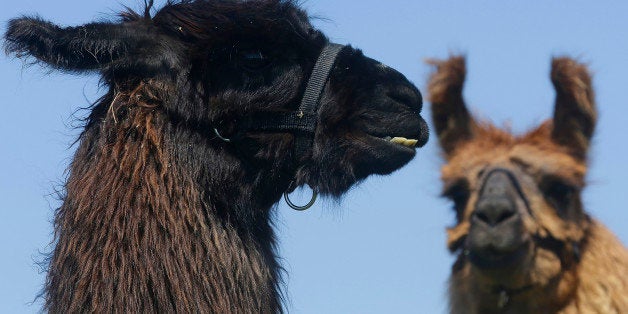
(161, 214)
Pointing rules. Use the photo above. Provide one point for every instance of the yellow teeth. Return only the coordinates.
(404, 141)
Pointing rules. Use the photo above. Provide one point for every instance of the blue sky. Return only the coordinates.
(382, 249)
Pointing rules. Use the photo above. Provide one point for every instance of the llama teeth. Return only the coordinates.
(398, 140)
(404, 141)
(411, 143)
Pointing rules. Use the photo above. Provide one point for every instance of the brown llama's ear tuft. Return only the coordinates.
(574, 113)
(450, 116)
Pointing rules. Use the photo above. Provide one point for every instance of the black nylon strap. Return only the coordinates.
(281, 121)
(319, 76)
(313, 92)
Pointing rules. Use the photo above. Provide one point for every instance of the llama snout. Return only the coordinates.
(497, 236)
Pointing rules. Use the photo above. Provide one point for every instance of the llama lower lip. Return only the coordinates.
(495, 260)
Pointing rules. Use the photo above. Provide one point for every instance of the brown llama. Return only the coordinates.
(213, 109)
(523, 240)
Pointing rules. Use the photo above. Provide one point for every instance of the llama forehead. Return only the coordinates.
(540, 161)
(471, 159)
(533, 153)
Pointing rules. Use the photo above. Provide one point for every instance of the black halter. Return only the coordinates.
(302, 122)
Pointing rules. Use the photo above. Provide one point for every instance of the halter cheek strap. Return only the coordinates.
(313, 93)
(309, 106)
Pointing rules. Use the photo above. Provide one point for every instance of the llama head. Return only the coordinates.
(520, 220)
(213, 64)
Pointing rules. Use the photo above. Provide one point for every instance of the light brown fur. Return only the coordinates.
(572, 263)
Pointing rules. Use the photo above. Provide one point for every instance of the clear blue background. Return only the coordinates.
(382, 249)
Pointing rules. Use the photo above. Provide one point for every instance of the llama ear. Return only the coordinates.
(450, 116)
(574, 112)
(89, 47)
(82, 48)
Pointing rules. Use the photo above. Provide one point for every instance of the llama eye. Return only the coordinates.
(254, 60)
(559, 194)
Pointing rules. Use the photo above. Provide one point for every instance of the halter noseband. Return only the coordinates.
(303, 121)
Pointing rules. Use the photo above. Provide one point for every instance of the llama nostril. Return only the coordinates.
(494, 211)
(482, 217)
(504, 216)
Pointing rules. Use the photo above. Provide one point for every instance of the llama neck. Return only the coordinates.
(151, 224)
(602, 274)
(597, 284)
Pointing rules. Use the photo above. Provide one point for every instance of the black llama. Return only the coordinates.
(213, 110)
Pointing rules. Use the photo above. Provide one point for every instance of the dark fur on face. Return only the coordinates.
(160, 215)
(523, 240)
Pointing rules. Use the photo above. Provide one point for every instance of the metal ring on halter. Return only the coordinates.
(220, 136)
(300, 208)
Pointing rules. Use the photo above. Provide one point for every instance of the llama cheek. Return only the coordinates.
(550, 223)
(532, 227)
(546, 266)
(456, 235)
